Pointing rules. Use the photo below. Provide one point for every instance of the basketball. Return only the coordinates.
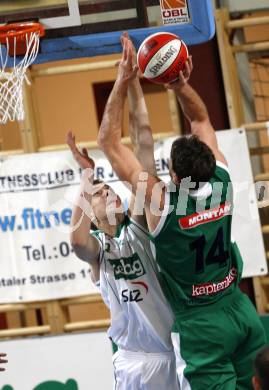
(161, 57)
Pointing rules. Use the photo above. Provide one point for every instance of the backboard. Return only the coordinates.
(86, 28)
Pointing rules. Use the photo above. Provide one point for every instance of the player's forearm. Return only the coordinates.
(111, 125)
(95, 271)
(121, 158)
(80, 222)
(195, 110)
(83, 243)
(85, 246)
(192, 105)
(138, 111)
(139, 127)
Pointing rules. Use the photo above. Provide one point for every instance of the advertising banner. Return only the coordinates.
(67, 362)
(174, 11)
(37, 194)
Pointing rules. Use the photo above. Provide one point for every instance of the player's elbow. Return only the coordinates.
(80, 251)
(75, 236)
(78, 244)
(102, 140)
(106, 140)
(145, 138)
(202, 126)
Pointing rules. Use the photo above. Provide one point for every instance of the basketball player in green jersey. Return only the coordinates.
(217, 332)
(123, 267)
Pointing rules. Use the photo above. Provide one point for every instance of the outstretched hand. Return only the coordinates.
(82, 158)
(126, 35)
(183, 76)
(127, 67)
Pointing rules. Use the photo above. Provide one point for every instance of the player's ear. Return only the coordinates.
(256, 383)
(174, 177)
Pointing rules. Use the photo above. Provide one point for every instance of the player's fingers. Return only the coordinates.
(125, 49)
(190, 62)
(131, 43)
(139, 73)
(92, 162)
(133, 60)
(135, 70)
(69, 137)
(73, 147)
(85, 152)
(70, 140)
(181, 77)
(134, 54)
(129, 58)
(75, 151)
(187, 70)
(171, 85)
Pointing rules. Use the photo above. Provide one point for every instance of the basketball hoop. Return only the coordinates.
(19, 39)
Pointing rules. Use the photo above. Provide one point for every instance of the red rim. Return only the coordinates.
(20, 30)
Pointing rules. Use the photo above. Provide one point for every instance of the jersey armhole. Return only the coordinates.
(139, 229)
(138, 226)
(164, 215)
(99, 237)
(222, 166)
(222, 172)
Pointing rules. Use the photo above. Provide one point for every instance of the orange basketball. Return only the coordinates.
(161, 57)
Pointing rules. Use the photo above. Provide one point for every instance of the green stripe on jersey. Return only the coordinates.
(198, 262)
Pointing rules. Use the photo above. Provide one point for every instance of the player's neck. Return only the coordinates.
(110, 229)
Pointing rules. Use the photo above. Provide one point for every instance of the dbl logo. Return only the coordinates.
(70, 384)
(169, 4)
(127, 267)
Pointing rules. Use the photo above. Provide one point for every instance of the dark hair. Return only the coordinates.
(261, 365)
(192, 157)
(97, 181)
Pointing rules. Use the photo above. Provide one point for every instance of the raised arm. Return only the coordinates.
(139, 127)
(141, 137)
(122, 159)
(196, 112)
(85, 246)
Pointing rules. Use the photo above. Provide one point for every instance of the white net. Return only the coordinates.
(12, 78)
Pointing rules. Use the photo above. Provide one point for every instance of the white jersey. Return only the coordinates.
(141, 318)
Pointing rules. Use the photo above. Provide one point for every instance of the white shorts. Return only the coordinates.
(144, 371)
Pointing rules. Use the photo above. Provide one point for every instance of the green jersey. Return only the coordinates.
(197, 259)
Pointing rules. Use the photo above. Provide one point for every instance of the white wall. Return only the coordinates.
(244, 5)
(80, 362)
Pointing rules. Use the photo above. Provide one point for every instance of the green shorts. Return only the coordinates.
(215, 346)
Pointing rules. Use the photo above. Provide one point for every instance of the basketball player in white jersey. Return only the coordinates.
(123, 266)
